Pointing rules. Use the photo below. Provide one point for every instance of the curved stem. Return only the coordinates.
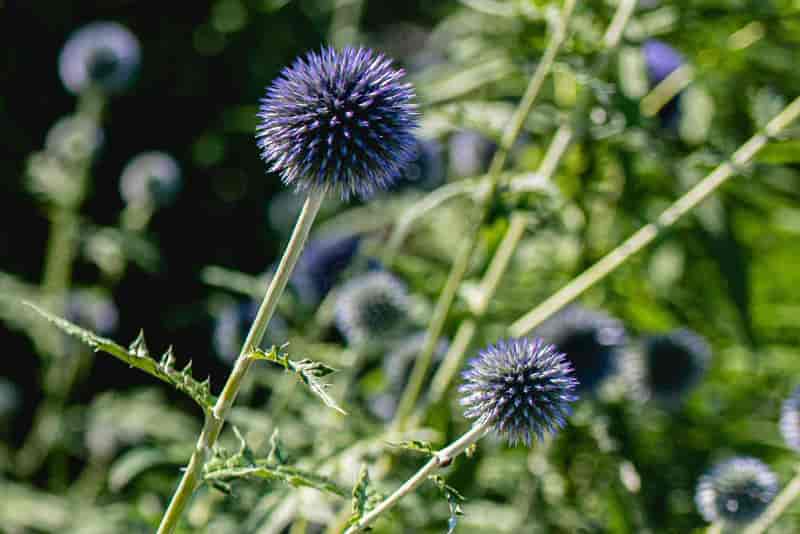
(439, 459)
(648, 233)
(215, 419)
(776, 508)
(467, 247)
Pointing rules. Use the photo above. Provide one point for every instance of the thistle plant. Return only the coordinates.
(736, 491)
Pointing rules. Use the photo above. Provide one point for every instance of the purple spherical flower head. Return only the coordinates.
(661, 60)
(338, 120)
(673, 363)
(523, 387)
(320, 265)
(736, 491)
(105, 55)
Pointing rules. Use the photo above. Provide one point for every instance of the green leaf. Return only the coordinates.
(307, 371)
(363, 497)
(454, 500)
(137, 355)
(224, 467)
(415, 445)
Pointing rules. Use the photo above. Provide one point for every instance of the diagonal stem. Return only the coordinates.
(776, 508)
(215, 419)
(668, 217)
(467, 247)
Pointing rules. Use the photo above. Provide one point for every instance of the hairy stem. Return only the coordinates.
(467, 247)
(215, 419)
(776, 508)
(439, 459)
(668, 217)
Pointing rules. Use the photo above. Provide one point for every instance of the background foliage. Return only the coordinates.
(728, 271)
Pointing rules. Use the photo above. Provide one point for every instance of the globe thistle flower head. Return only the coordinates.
(105, 55)
(591, 342)
(736, 491)
(341, 121)
(523, 387)
(426, 172)
(671, 364)
(372, 308)
(321, 264)
(151, 178)
(661, 60)
(470, 153)
(790, 420)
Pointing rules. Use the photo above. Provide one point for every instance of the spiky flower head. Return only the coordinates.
(669, 365)
(372, 308)
(790, 420)
(152, 178)
(522, 386)
(590, 340)
(341, 121)
(104, 55)
(320, 265)
(736, 491)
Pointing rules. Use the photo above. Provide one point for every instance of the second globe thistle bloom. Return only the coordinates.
(522, 387)
(790, 420)
(105, 55)
(320, 265)
(373, 308)
(151, 178)
(338, 120)
(590, 340)
(736, 491)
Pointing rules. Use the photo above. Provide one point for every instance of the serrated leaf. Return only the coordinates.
(454, 500)
(138, 356)
(361, 496)
(307, 371)
(224, 467)
(415, 445)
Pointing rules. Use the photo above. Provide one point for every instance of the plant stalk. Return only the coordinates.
(439, 459)
(611, 261)
(215, 418)
(776, 508)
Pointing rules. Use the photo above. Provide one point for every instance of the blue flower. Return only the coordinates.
(338, 120)
(661, 60)
(790, 420)
(151, 178)
(104, 55)
(736, 490)
(590, 340)
(670, 365)
(320, 265)
(470, 153)
(427, 170)
(523, 387)
(372, 309)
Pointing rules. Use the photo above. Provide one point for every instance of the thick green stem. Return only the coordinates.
(648, 233)
(215, 419)
(776, 508)
(467, 247)
(441, 458)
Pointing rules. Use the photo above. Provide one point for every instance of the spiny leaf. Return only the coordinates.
(137, 355)
(224, 467)
(307, 371)
(454, 500)
(415, 445)
(362, 496)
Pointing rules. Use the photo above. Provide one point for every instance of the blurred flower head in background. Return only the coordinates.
(104, 55)
(662, 60)
(470, 153)
(373, 308)
(427, 170)
(74, 138)
(790, 420)
(151, 178)
(736, 490)
(524, 387)
(338, 120)
(232, 324)
(590, 340)
(320, 265)
(93, 310)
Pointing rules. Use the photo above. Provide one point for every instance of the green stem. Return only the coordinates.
(648, 233)
(467, 247)
(439, 459)
(776, 508)
(215, 419)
